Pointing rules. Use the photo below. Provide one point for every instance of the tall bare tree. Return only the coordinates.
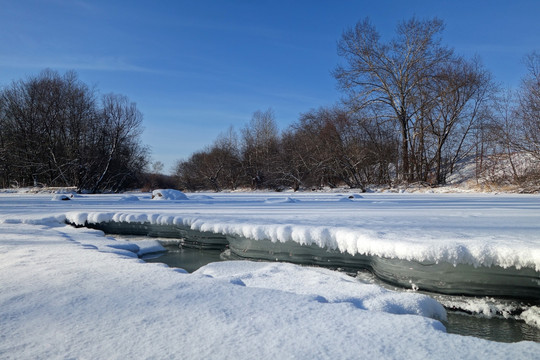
(392, 74)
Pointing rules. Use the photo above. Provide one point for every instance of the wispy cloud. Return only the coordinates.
(72, 62)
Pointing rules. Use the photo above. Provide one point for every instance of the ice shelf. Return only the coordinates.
(441, 277)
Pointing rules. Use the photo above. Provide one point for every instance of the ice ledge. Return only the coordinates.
(452, 271)
(476, 251)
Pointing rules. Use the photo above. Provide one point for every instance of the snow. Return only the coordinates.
(129, 198)
(60, 197)
(74, 293)
(532, 316)
(149, 247)
(168, 194)
(276, 200)
(328, 286)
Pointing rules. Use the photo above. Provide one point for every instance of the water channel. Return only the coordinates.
(460, 322)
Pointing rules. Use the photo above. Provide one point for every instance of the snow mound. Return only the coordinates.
(61, 197)
(168, 194)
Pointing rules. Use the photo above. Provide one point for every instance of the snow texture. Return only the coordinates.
(74, 293)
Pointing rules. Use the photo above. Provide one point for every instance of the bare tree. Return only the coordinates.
(456, 95)
(294, 167)
(529, 106)
(260, 148)
(228, 148)
(5, 160)
(121, 126)
(391, 74)
(515, 131)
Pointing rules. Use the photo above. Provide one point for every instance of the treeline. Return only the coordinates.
(412, 110)
(55, 131)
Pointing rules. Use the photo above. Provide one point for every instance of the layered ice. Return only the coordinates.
(477, 230)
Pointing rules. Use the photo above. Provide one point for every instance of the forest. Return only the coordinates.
(411, 111)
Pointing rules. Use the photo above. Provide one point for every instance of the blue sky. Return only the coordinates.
(195, 68)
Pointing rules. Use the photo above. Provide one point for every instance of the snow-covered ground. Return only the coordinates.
(74, 293)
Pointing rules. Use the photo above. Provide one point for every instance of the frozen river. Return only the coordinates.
(61, 285)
